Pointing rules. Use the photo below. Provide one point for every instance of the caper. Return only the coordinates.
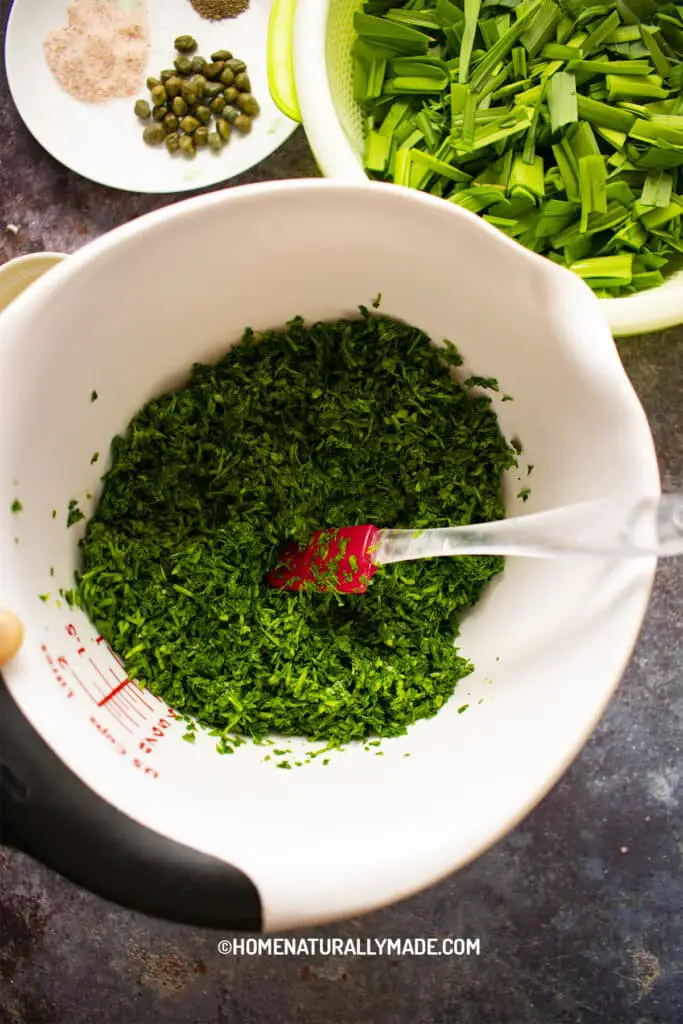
(143, 110)
(201, 136)
(242, 82)
(174, 86)
(189, 94)
(160, 112)
(236, 65)
(189, 125)
(154, 135)
(231, 94)
(165, 75)
(173, 142)
(199, 83)
(230, 113)
(179, 106)
(216, 106)
(159, 95)
(186, 145)
(227, 76)
(248, 104)
(215, 141)
(198, 65)
(183, 65)
(243, 124)
(221, 55)
(202, 114)
(214, 69)
(171, 123)
(152, 83)
(212, 89)
(223, 128)
(185, 44)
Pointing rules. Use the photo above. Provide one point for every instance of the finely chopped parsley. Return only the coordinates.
(335, 424)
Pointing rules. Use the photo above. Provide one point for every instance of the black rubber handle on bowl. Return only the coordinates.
(48, 813)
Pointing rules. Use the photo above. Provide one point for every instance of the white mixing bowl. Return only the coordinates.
(315, 86)
(126, 317)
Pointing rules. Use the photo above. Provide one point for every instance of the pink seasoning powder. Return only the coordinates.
(102, 52)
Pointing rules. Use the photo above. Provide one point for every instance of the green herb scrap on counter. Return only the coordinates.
(198, 102)
(306, 428)
(558, 121)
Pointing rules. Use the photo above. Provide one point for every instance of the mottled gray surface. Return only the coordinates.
(578, 911)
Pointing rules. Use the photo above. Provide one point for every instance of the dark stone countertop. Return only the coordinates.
(579, 910)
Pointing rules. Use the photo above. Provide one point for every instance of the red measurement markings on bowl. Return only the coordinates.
(55, 669)
(129, 708)
(158, 731)
(59, 666)
(128, 705)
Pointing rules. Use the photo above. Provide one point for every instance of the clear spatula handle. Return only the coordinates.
(615, 527)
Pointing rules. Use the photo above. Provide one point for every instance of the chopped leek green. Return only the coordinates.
(657, 189)
(559, 121)
(606, 269)
(471, 17)
(562, 100)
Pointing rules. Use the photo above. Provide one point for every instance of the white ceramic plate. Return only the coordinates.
(103, 142)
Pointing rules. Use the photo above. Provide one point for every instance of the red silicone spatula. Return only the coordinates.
(346, 553)
(612, 527)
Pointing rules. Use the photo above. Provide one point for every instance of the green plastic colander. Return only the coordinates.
(310, 71)
(311, 79)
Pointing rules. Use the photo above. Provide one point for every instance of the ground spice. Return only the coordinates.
(308, 428)
(102, 51)
(216, 10)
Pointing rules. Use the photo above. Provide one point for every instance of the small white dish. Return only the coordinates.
(103, 141)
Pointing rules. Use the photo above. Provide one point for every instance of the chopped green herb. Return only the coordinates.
(16, 506)
(74, 514)
(44, 597)
(524, 494)
(486, 383)
(516, 445)
(54, 513)
(211, 480)
(94, 458)
(93, 396)
(377, 301)
(52, 570)
(462, 708)
(283, 764)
